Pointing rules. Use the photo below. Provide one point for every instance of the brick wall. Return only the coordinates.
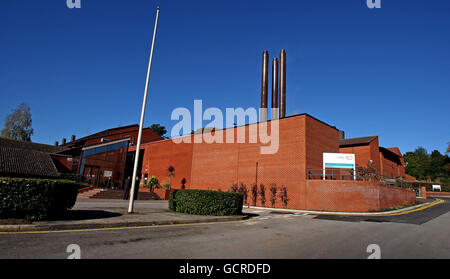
(354, 196)
(365, 153)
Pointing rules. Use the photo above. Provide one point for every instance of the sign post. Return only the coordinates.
(339, 161)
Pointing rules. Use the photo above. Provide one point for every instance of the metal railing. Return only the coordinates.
(343, 174)
(356, 175)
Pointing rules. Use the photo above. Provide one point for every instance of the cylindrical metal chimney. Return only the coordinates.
(264, 86)
(282, 100)
(63, 141)
(275, 107)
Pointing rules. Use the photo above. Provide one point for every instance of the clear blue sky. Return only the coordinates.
(379, 72)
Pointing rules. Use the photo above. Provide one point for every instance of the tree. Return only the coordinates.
(160, 130)
(434, 166)
(170, 174)
(18, 124)
(448, 148)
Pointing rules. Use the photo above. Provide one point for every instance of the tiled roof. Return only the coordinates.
(356, 141)
(26, 162)
(20, 158)
(29, 145)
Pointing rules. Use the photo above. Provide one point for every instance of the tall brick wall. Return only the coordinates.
(158, 156)
(219, 166)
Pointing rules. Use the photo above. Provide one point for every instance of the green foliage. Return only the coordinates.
(254, 192)
(153, 183)
(36, 199)
(273, 194)
(205, 202)
(262, 194)
(71, 176)
(234, 188)
(164, 186)
(18, 124)
(284, 196)
(244, 191)
(425, 166)
(160, 130)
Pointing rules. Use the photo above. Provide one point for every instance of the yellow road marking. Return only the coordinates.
(212, 223)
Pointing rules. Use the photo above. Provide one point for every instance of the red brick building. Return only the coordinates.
(103, 158)
(388, 162)
(303, 140)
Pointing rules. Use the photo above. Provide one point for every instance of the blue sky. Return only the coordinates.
(366, 71)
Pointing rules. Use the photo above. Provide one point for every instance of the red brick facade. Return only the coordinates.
(302, 142)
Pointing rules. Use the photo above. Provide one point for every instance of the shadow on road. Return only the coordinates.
(73, 215)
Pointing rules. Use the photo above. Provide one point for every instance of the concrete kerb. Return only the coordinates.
(402, 211)
(60, 226)
(113, 225)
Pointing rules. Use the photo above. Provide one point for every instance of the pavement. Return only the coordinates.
(98, 214)
(111, 214)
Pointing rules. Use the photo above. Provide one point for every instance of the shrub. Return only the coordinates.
(71, 176)
(284, 196)
(234, 188)
(164, 186)
(262, 194)
(36, 199)
(205, 202)
(254, 193)
(273, 194)
(244, 191)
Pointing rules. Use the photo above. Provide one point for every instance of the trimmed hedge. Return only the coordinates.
(36, 199)
(203, 202)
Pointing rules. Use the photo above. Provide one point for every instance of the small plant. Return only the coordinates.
(170, 174)
(234, 188)
(153, 183)
(284, 196)
(262, 194)
(165, 186)
(244, 191)
(273, 194)
(254, 191)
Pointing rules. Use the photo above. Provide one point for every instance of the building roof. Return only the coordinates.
(106, 133)
(30, 145)
(390, 151)
(26, 159)
(357, 141)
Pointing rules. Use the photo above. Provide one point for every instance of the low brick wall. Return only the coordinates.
(162, 193)
(354, 196)
(438, 193)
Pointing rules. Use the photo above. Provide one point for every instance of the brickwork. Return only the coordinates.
(303, 139)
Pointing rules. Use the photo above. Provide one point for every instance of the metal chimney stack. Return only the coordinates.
(275, 107)
(282, 100)
(264, 86)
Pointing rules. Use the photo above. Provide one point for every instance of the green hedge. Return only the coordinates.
(202, 202)
(36, 199)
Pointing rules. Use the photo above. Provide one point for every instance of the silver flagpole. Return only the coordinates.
(136, 157)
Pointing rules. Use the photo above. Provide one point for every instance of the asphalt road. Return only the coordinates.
(423, 234)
